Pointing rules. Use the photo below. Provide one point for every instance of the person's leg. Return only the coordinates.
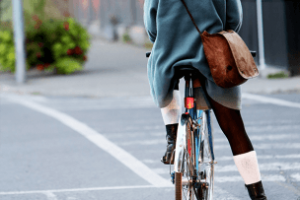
(232, 125)
(171, 114)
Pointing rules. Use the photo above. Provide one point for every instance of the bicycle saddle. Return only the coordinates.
(184, 71)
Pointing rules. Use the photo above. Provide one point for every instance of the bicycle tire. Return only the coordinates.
(184, 188)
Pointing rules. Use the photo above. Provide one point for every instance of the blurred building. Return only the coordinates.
(281, 18)
(111, 19)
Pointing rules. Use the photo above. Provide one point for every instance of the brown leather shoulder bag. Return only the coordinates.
(228, 57)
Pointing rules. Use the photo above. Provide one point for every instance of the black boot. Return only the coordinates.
(168, 158)
(256, 191)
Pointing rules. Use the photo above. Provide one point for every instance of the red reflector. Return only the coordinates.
(189, 102)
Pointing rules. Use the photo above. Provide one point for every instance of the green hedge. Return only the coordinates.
(51, 44)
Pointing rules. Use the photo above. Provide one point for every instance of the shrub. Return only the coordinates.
(53, 45)
(278, 75)
(55, 40)
(67, 65)
(126, 38)
(7, 51)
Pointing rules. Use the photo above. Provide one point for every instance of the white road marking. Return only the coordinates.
(233, 168)
(218, 192)
(129, 128)
(143, 142)
(226, 158)
(134, 134)
(269, 100)
(275, 166)
(267, 146)
(161, 170)
(272, 128)
(269, 178)
(264, 137)
(121, 155)
(263, 167)
(274, 137)
(296, 176)
(50, 195)
(269, 128)
(150, 161)
(263, 157)
(79, 189)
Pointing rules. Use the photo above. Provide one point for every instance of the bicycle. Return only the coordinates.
(193, 173)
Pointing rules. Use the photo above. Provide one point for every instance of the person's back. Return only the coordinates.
(177, 44)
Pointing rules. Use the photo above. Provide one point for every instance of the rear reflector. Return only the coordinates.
(189, 102)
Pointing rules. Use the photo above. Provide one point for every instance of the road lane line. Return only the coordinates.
(268, 178)
(78, 190)
(266, 146)
(50, 195)
(99, 140)
(270, 100)
(218, 192)
(276, 166)
(230, 158)
(265, 137)
(263, 157)
(296, 177)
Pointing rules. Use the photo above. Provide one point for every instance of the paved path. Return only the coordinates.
(61, 149)
(97, 134)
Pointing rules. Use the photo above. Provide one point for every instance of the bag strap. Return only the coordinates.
(191, 16)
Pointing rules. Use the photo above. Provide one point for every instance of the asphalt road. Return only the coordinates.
(71, 148)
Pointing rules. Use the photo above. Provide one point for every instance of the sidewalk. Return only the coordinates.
(116, 70)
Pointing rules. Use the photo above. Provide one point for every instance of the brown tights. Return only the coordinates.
(232, 125)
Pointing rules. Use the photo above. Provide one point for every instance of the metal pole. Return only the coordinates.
(19, 40)
(260, 29)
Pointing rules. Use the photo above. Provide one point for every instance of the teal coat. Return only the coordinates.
(177, 42)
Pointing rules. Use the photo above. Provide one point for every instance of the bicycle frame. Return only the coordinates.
(191, 142)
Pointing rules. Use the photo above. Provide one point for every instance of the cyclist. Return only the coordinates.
(176, 43)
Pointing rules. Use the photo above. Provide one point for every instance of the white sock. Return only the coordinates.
(171, 112)
(247, 165)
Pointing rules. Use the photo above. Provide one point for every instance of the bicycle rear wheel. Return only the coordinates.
(184, 185)
(206, 161)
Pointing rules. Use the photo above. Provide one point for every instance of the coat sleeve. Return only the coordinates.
(150, 12)
(234, 15)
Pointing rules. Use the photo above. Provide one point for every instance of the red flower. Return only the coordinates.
(77, 50)
(70, 51)
(38, 54)
(84, 58)
(40, 67)
(35, 17)
(40, 44)
(66, 26)
(38, 24)
(66, 14)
